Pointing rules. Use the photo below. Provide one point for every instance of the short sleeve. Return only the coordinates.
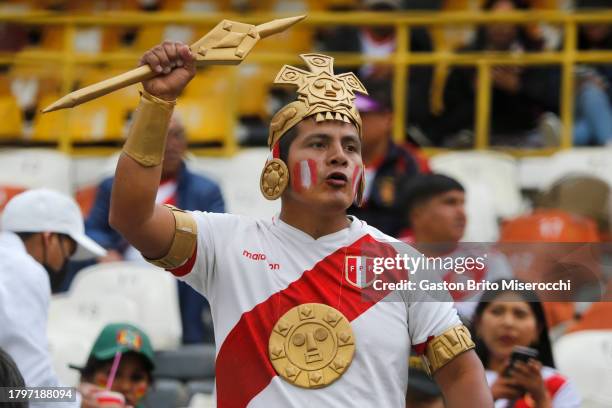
(430, 307)
(428, 319)
(214, 232)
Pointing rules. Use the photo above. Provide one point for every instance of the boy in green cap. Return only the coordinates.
(134, 353)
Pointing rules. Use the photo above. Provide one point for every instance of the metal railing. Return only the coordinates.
(69, 60)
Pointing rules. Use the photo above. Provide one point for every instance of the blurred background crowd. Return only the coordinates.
(483, 135)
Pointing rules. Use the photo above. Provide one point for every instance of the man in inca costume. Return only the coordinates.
(293, 327)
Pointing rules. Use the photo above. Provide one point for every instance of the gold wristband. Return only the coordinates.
(183, 243)
(445, 347)
(146, 141)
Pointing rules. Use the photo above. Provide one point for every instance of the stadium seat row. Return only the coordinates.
(493, 180)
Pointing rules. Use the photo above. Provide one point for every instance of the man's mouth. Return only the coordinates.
(337, 179)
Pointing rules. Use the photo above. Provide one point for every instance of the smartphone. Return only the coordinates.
(521, 353)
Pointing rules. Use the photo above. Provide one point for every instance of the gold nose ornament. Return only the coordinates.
(228, 43)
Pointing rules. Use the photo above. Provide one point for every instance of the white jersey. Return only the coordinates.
(253, 271)
(562, 392)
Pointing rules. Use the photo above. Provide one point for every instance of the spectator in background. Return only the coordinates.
(10, 377)
(505, 319)
(520, 96)
(179, 187)
(380, 41)
(385, 162)
(40, 230)
(594, 93)
(433, 210)
(134, 375)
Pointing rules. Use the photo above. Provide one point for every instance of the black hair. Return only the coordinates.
(94, 364)
(419, 189)
(10, 376)
(285, 144)
(531, 298)
(380, 90)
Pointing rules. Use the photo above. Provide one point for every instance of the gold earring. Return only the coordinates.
(274, 179)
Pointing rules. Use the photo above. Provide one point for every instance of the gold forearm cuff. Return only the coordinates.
(146, 141)
(447, 346)
(184, 242)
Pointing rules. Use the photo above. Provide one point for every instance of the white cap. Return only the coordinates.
(43, 210)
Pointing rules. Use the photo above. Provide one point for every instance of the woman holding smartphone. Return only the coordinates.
(506, 319)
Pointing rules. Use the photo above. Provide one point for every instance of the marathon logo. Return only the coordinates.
(260, 257)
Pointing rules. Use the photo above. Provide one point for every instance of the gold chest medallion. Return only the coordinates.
(311, 345)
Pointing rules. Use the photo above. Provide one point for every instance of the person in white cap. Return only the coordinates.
(40, 230)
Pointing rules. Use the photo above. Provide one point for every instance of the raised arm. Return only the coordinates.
(150, 228)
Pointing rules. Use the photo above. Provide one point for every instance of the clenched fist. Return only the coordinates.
(176, 66)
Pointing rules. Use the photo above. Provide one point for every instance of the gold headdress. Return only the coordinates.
(320, 94)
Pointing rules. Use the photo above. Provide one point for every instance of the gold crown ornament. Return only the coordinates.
(321, 94)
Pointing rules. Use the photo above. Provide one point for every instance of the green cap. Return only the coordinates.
(123, 338)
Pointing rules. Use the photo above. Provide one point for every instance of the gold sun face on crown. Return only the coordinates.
(321, 94)
(327, 88)
(320, 86)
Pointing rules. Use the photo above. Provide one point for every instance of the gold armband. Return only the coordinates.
(183, 243)
(146, 141)
(445, 347)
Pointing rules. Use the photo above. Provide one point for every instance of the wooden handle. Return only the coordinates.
(131, 77)
(102, 88)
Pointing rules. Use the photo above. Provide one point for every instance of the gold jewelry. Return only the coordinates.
(146, 141)
(274, 179)
(183, 243)
(321, 94)
(312, 345)
(445, 347)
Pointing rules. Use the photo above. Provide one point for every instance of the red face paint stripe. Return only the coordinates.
(312, 165)
(243, 368)
(355, 182)
(296, 178)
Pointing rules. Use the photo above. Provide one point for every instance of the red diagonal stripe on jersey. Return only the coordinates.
(243, 368)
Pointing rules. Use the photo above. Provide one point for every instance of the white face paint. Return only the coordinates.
(304, 175)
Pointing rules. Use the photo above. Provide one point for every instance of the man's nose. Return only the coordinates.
(337, 155)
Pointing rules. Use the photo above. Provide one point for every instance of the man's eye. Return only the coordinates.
(317, 144)
(351, 148)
